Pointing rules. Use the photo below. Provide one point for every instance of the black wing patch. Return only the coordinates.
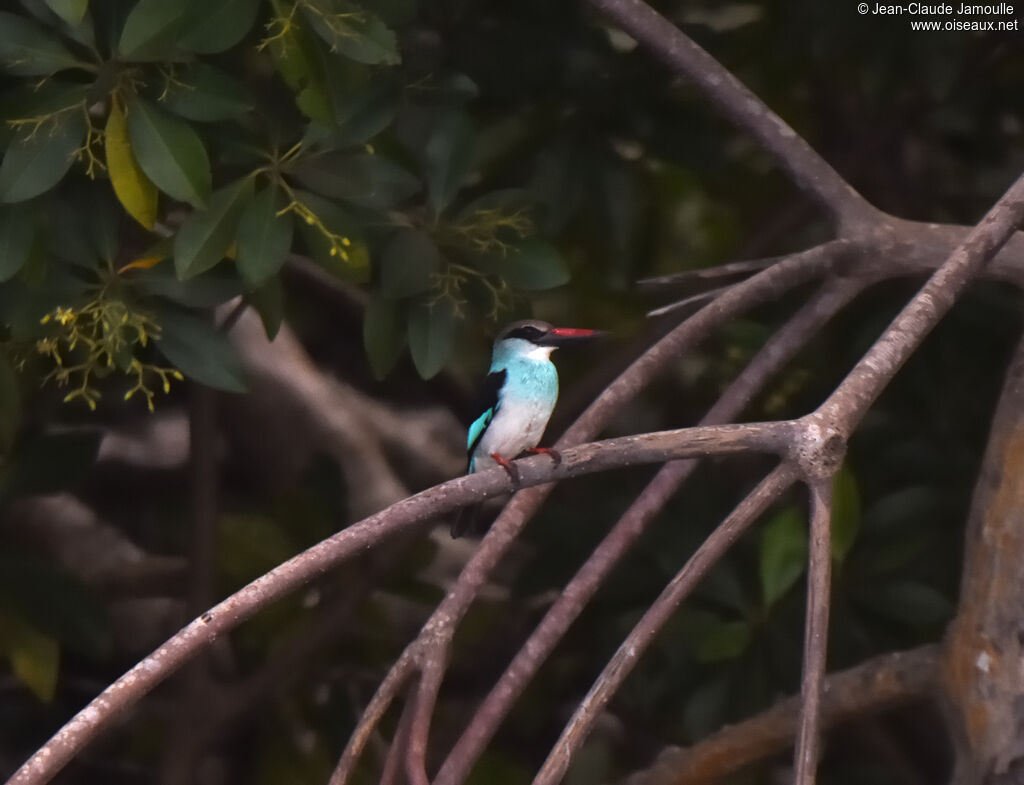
(484, 408)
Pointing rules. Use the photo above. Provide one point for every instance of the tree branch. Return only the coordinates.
(818, 446)
(431, 676)
(873, 686)
(847, 405)
(816, 633)
(628, 654)
(779, 349)
(576, 461)
(981, 674)
(435, 638)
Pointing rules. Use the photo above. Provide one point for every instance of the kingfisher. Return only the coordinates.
(516, 400)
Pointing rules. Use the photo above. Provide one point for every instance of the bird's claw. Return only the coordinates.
(554, 454)
(510, 467)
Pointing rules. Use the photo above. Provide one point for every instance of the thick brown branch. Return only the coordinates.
(873, 686)
(807, 169)
(984, 647)
(628, 654)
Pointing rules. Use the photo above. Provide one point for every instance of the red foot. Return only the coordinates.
(511, 468)
(556, 456)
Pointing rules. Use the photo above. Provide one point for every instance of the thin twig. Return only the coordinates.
(628, 654)
(431, 675)
(783, 344)
(385, 695)
(693, 299)
(766, 286)
(727, 270)
(392, 771)
(816, 631)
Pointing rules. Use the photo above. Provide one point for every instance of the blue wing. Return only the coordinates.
(484, 409)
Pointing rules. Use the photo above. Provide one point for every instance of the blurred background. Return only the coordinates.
(423, 173)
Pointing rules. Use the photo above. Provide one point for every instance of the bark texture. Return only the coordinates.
(983, 669)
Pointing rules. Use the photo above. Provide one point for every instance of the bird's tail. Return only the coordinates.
(466, 521)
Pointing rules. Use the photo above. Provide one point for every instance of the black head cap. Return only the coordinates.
(544, 334)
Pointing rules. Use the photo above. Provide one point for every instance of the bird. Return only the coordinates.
(516, 399)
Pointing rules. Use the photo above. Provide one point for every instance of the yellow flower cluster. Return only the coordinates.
(96, 340)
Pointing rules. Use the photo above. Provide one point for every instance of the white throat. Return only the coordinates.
(539, 353)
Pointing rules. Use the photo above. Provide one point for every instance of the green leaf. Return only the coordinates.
(356, 33)
(364, 179)
(151, 29)
(366, 113)
(264, 237)
(431, 334)
(313, 102)
(383, 336)
(504, 201)
(34, 657)
(88, 219)
(206, 235)
(217, 27)
(448, 157)
(50, 98)
(206, 95)
(10, 404)
(299, 62)
(289, 51)
(409, 260)
(268, 301)
(200, 351)
(170, 153)
(531, 264)
(904, 509)
(725, 640)
(71, 11)
(909, 602)
(845, 513)
(17, 234)
(39, 158)
(26, 49)
(783, 554)
(214, 287)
